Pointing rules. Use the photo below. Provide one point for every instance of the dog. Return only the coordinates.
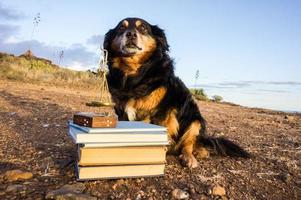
(144, 87)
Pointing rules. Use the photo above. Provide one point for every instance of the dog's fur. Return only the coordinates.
(144, 87)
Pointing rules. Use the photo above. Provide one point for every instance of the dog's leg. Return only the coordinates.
(187, 144)
(130, 110)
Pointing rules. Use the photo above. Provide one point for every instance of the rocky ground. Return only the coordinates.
(37, 156)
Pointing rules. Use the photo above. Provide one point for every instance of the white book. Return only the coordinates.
(125, 144)
(123, 127)
(81, 137)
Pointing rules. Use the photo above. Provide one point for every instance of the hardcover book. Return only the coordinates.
(118, 171)
(128, 136)
(121, 155)
(95, 120)
(123, 127)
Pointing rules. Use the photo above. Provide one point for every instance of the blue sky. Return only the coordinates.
(246, 51)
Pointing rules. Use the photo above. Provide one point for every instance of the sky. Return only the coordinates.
(248, 52)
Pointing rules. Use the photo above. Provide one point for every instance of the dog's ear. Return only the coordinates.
(160, 37)
(108, 39)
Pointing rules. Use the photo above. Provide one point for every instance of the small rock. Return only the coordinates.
(224, 198)
(120, 182)
(74, 196)
(218, 191)
(285, 177)
(96, 193)
(114, 186)
(15, 188)
(141, 192)
(70, 192)
(45, 125)
(138, 197)
(203, 197)
(179, 194)
(13, 175)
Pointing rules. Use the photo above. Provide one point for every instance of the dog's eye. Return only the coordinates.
(143, 29)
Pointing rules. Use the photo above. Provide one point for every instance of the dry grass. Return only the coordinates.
(42, 71)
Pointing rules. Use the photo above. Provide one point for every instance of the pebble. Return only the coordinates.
(218, 191)
(138, 197)
(289, 118)
(179, 194)
(285, 177)
(73, 196)
(45, 125)
(70, 192)
(15, 188)
(13, 175)
(203, 197)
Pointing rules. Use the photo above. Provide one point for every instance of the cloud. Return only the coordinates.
(272, 90)
(214, 86)
(284, 82)
(9, 14)
(76, 55)
(95, 40)
(235, 84)
(7, 30)
(249, 84)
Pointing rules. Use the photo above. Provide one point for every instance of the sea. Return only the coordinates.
(282, 96)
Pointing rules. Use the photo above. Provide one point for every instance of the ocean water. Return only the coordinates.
(281, 96)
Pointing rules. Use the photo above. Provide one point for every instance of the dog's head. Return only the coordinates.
(135, 37)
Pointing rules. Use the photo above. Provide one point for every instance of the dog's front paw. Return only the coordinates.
(131, 113)
(189, 161)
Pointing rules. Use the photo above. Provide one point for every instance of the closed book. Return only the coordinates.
(80, 136)
(124, 144)
(95, 120)
(121, 155)
(123, 127)
(118, 171)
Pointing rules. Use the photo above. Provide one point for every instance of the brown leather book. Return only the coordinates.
(95, 120)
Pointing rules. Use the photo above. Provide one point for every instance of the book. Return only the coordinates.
(121, 155)
(93, 120)
(118, 171)
(80, 136)
(123, 127)
(124, 144)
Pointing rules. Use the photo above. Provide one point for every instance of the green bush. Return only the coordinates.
(217, 98)
(199, 94)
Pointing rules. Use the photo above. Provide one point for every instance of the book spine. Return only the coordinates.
(130, 155)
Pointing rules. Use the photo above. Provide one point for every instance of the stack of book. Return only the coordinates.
(131, 149)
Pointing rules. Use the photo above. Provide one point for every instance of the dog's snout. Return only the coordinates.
(131, 35)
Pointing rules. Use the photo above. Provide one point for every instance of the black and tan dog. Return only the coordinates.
(143, 86)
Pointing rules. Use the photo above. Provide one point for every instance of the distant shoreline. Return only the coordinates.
(261, 108)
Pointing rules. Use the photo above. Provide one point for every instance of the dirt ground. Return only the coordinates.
(33, 138)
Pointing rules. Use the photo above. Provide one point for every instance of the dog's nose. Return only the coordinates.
(131, 35)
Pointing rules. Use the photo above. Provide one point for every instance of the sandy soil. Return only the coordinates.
(33, 137)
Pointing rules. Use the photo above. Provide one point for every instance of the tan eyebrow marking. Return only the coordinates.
(125, 23)
(138, 23)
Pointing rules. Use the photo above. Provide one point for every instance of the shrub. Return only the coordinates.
(217, 98)
(199, 94)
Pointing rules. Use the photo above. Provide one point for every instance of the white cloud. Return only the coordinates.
(77, 66)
